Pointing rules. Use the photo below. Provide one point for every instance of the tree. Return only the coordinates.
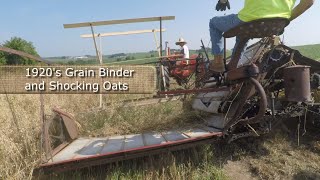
(20, 45)
(71, 63)
(2, 59)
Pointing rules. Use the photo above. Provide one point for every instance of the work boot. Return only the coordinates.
(217, 65)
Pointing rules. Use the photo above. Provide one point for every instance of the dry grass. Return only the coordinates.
(273, 157)
(195, 163)
(316, 96)
(118, 120)
(20, 136)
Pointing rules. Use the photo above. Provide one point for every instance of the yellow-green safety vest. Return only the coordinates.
(259, 9)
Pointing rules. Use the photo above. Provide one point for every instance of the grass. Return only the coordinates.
(189, 164)
(270, 157)
(20, 136)
(120, 121)
(311, 51)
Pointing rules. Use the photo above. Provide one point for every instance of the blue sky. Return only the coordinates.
(41, 22)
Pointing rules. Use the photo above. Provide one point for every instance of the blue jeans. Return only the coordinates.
(218, 25)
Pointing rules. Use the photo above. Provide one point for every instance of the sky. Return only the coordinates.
(41, 22)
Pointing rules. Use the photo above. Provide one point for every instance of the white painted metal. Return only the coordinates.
(88, 147)
(216, 121)
(210, 107)
(209, 102)
(72, 150)
(133, 141)
(114, 144)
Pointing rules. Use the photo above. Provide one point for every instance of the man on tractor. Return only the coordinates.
(184, 48)
(253, 10)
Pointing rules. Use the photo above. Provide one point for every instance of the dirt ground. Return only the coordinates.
(275, 156)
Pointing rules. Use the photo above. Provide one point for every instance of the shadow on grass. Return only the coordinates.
(305, 175)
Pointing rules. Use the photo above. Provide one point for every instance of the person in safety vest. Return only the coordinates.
(253, 10)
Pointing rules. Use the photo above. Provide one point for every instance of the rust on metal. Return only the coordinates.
(297, 83)
(263, 105)
(193, 91)
(69, 123)
(243, 72)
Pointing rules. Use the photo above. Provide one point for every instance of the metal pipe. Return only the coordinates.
(263, 103)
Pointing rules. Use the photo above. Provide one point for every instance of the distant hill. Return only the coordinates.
(311, 51)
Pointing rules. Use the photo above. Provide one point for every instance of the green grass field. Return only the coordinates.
(311, 51)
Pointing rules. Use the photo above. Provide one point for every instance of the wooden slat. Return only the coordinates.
(23, 54)
(122, 33)
(123, 21)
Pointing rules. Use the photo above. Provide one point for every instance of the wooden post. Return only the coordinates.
(95, 45)
(162, 67)
(161, 35)
(99, 58)
(101, 63)
(157, 44)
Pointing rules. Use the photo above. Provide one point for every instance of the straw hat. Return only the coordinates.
(181, 40)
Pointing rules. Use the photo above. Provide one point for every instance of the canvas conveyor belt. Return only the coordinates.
(88, 152)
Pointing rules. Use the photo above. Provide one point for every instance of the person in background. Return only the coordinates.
(184, 48)
(253, 10)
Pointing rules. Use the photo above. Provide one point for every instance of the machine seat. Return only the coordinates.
(258, 28)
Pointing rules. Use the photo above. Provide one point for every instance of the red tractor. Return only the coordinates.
(188, 73)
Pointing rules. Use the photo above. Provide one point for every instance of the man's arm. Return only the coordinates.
(301, 8)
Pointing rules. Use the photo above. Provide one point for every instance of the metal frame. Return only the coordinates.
(127, 154)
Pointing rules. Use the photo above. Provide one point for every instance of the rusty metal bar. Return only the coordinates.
(263, 103)
(192, 91)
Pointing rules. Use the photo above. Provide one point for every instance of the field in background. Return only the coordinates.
(311, 51)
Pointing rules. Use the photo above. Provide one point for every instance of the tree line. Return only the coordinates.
(19, 44)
